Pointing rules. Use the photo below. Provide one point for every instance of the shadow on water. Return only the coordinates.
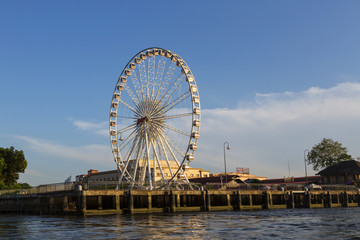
(339, 223)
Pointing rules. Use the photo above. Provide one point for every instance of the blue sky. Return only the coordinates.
(274, 78)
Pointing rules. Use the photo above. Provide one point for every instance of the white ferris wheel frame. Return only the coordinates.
(149, 117)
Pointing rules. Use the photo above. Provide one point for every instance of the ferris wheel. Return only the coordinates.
(154, 120)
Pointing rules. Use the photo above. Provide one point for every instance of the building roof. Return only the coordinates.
(104, 172)
(344, 167)
(214, 179)
(293, 180)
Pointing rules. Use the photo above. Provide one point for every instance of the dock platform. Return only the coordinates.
(101, 202)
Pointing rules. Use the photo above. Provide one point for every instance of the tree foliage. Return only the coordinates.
(328, 152)
(12, 162)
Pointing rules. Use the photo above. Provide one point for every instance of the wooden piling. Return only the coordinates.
(65, 203)
(345, 202)
(290, 200)
(149, 201)
(328, 200)
(117, 202)
(228, 199)
(266, 200)
(130, 202)
(208, 201)
(99, 202)
(237, 205)
(172, 202)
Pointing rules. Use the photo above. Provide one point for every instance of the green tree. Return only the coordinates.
(2, 169)
(12, 162)
(327, 153)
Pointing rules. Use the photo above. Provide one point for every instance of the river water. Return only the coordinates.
(335, 223)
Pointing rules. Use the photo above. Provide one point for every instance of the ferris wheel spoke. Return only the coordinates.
(126, 117)
(130, 150)
(175, 130)
(160, 74)
(178, 164)
(148, 160)
(151, 74)
(166, 156)
(135, 166)
(168, 76)
(125, 129)
(168, 145)
(168, 94)
(127, 140)
(175, 116)
(174, 145)
(128, 106)
(172, 104)
(158, 162)
(136, 84)
(134, 98)
(174, 86)
(128, 155)
(143, 78)
(135, 163)
(143, 167)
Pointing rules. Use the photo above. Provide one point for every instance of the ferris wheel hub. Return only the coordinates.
(142, 120)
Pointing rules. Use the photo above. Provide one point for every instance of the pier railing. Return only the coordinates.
(57, 187)
(283, 187)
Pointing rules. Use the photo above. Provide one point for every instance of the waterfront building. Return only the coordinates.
(241, 173)
(230, 179)
(293, 180)
(111, 177)
(344, 172)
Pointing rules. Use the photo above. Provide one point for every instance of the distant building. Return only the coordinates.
(344, 172)
(241, 173)
(231, 179)
(219, 181)
(111, 177)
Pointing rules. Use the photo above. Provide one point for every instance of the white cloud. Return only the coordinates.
(265, 135)
(277, 127)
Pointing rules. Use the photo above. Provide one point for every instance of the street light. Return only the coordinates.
(228, 148)
(306, 150)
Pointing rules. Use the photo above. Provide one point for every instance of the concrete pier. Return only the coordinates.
(99, 202)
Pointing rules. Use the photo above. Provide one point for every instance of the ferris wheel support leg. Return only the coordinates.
(148, 161)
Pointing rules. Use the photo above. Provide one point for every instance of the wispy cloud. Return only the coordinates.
(99, 128)
(35, 173)
(92, 153)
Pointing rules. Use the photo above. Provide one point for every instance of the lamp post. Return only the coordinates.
(228, 148)
(306, 150)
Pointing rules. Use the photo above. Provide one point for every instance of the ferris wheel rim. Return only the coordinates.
(193, 139)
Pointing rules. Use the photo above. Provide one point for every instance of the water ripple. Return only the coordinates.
(335, 223)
